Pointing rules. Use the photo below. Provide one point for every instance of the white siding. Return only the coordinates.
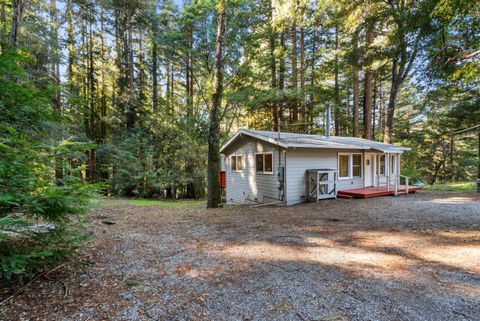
(248, 186)
(299, 160)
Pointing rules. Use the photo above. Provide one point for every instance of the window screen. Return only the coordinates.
(357, 165)
(381, 164)
(343, 164)
(259, 162)
(268, 162)
(239, 163)
(236, 163)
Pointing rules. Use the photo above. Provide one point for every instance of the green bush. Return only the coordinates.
(29, 192)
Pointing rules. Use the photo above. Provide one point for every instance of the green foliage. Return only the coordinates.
(17, 264)
(464, 187)
(145, 164)
(29, 192)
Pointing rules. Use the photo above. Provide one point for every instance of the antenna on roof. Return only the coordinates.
(327, 121)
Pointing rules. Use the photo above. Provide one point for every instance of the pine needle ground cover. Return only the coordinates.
(146, 202)
(411, 257)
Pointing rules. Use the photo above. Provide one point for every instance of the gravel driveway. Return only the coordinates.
(414, 257)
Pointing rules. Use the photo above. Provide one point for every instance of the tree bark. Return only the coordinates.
(367, 89)
(273, 67)
(478, 160)
(355, 69)
(92, 101)
(55, 76)
(294, 71)
(336, 112)
(395, 87)
(191, 191)
(131, 113)
(281, 79)
(103, 102)
(18, 8)
(302, 78)
(3, 25)
(154, 75)
(189, 71)
(214, 192)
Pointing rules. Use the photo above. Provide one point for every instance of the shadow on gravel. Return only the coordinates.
(403, 258)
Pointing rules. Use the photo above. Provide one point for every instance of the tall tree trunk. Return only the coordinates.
(103, 102)
(131, 114)
(55, 76)
(336, 113)
(312, 78)
(374, 109)
(356, 99)
(70, 48)
(273, 67)
(189, 72)
(395, 87)
(381, 111)
(154, 74)
(367, 89)
(281, 80)
(302, 78)
(478, 160)
(191, 191)
(18, 7)
(3, 27)
(172, 89)
(294, 71)
(214, 192)
(92, 100)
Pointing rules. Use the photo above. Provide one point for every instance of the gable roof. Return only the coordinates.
(293, 140)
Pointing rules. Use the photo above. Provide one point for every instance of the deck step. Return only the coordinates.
(369, 192)
(339, 195)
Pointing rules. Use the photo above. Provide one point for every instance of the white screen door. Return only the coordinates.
(369, 169)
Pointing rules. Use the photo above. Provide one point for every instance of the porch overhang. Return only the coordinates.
(391, 150)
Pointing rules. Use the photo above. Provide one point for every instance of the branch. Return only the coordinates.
(464, 57)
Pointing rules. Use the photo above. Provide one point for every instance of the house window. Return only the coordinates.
(236, 162)
(357, 165)
(349, 165)
(381, 164)
(264, 163)
(343, 166)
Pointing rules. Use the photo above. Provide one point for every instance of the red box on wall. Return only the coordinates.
(223, 179)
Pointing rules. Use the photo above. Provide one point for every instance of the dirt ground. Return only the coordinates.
(414, 257)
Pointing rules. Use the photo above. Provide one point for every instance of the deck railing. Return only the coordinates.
(407, 182)
(395, 181)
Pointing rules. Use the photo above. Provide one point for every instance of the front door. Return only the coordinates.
(369, 169)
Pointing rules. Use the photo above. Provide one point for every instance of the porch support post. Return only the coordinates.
(363, 167)
(387, 170)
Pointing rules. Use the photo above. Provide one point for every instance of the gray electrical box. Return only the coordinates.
(281, 174)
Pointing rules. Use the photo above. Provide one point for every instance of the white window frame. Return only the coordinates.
(243, 164)
(350, 166)
(263, 169)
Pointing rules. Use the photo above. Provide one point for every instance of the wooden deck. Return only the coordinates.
(368, 192)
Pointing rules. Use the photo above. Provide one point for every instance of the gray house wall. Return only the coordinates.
(301, 159)
(248, 186)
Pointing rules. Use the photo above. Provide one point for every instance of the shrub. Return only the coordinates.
(29, 192)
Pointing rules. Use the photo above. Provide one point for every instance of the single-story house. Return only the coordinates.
(287, 168)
